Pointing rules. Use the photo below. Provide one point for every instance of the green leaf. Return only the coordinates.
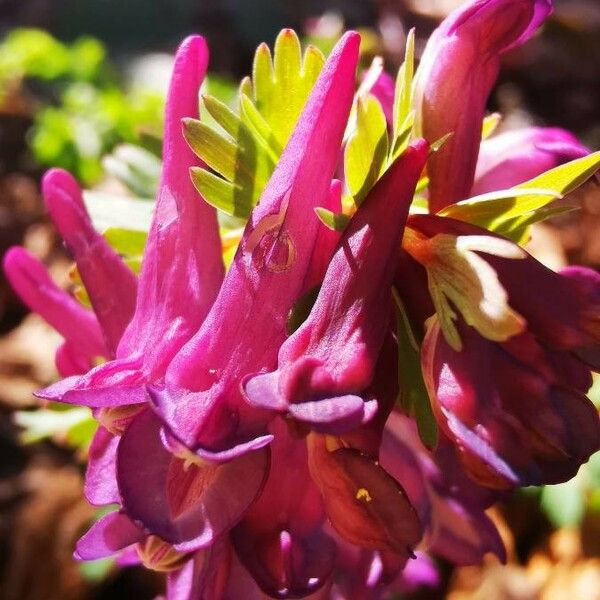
(96, 570)
(129, 244)
(517, 229)
(366, 151)
(221, 194)
(137, 168)
(335, 221)
(413, 396)
(507, 212)
(255, 121)
(240, 156)
(403, 138)
(121, 212)
(244, 149)
(74, 425)
(568, 177)
(281, 86)
(404, 83)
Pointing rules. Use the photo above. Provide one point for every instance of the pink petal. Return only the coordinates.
(110, 284)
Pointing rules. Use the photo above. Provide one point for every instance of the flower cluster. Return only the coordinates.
(380, 361)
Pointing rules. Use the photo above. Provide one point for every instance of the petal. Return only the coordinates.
(280, 540)
(182, 267)
(334, 415)
(364, 504)
(477, 395)
(113, 532)
(190, 506)
(101, 475)
(457, 71)
(31, 281)
(511, 158)
(204, 577)
(334, 351)
(286, 565)
(110, 284)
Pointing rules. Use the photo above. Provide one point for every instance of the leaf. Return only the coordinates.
(137, 168)
(366, 151)
(222, 194)
(413, 396)
(44, 423)
(109, 210)
(490, 123)
(129, 244)
(568, 177)
(240, 157)
(403, 138)
(244, 149)
(517, 229)
(502, 211)
(335, 221)
(281, 86)
(404, 83)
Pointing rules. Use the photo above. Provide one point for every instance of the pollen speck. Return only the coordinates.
(363, 494)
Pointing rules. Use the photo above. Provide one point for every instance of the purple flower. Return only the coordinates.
(84, 343)
(451, 508)
(457, 71)
(324, 366)
(478, 380)
(110, 284)
(201, 402)
(194, 502)
(514, 157)
(182, 266)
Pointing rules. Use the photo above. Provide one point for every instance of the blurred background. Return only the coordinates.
(81, 78)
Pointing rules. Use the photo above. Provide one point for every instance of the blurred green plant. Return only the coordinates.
(79, 109)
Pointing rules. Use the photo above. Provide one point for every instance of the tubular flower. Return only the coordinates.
(181, 269)
(514, 157)
(330, 358)
(503, 343)
(201, 402)
(457, 71)
(270, 430)
(84, 343)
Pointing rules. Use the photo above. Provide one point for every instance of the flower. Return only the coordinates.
(182, 266)
(514, 157)
(84, 342)
(457, 71)
(201, 403)
(477, 370)
(252, 433)
(330, 359)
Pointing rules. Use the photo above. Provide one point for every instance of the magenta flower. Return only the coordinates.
(329, 360)
(514, 157)
(110, 284)
(195, 502)
(250, 438)
(451, 507)
(84, 343)
(182, 266)
(201, 402)
(542, 345)
(458, 69)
